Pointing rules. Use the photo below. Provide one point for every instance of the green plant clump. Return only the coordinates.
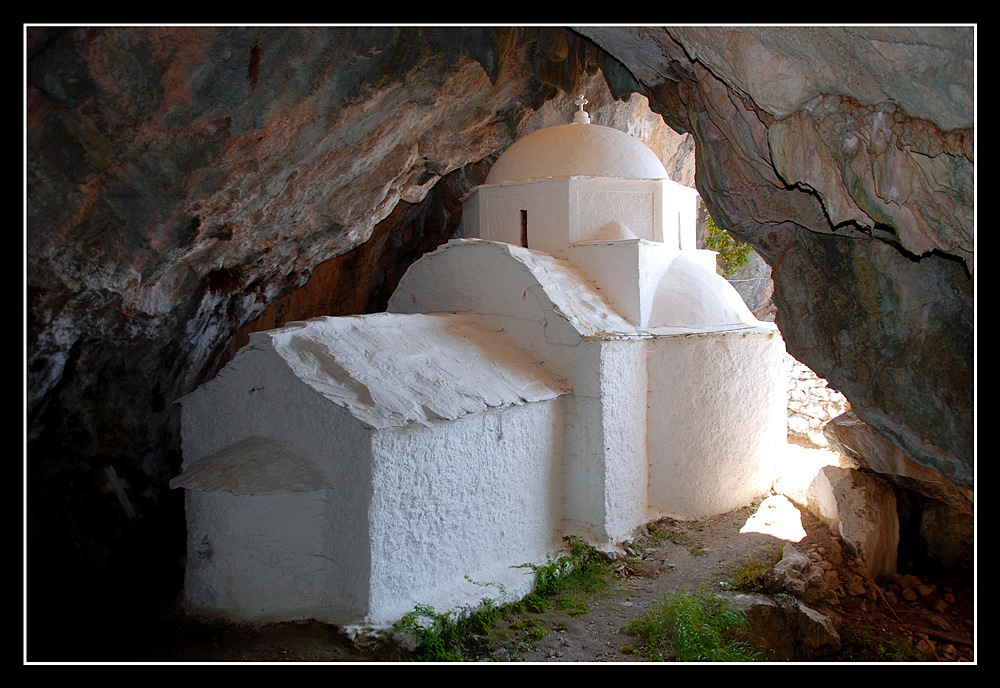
(583, 569)
(563, 582)
(750, 575)
(573, 603)
(658, 532)
(535, 603)
(866, 645)
(733, 254)
(696, 627)
(569, 578)
(452, 636)
(533, 629)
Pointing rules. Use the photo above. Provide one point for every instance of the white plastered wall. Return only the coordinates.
(265, 541)
(680, 215)
(716, 420)
(614, 268)
(573, 209)
(634, 203)
(494, 213)
(626, 272)
(278, 555)
(484, 277)
(623, 403)
(472, 497)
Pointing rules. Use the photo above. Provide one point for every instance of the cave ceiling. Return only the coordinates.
(180, 180)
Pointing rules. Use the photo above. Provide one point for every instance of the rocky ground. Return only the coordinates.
(915, 616)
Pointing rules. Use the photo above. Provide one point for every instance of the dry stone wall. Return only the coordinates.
(812, 403)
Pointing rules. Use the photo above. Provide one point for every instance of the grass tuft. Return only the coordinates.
(564, 582)
(867, 645)
(658, 532)
(751, 574)
(693, 627)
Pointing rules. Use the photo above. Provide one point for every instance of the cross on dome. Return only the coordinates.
(581, 116)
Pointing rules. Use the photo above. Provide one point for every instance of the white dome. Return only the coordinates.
(568, 150)
(690, 295)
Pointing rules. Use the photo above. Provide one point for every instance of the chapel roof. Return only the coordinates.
(688, 295)
(392, 369)
(577, 149)
(690, 299)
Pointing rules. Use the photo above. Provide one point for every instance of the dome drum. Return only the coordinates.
(550, 214)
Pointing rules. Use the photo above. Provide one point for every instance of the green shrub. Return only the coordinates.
(582, 569)
(437, 636)
(454, 636)
(733, 254)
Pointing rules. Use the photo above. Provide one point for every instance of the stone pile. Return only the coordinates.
(790, 619)
(807, 591)
(812, 579)
(910, 588)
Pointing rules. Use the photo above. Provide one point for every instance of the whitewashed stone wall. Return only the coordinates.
(714, 418)
(811, 403)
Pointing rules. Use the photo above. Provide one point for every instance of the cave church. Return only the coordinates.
(574, 366)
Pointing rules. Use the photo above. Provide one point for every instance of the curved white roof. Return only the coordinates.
(689, 298)
(689, 295)
(390, 369)
(569, 150)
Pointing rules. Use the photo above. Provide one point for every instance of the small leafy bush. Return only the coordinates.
(582, 569)
(453, 636)
(437, 635)
(733, 254)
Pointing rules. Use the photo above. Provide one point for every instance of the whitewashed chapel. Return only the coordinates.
(575, 366)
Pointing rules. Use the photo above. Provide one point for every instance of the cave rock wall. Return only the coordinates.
(180, 180)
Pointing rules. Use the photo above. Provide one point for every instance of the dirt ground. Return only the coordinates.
(701, 553)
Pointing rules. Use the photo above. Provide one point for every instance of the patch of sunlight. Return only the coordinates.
(796, 468)
(778, 517)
